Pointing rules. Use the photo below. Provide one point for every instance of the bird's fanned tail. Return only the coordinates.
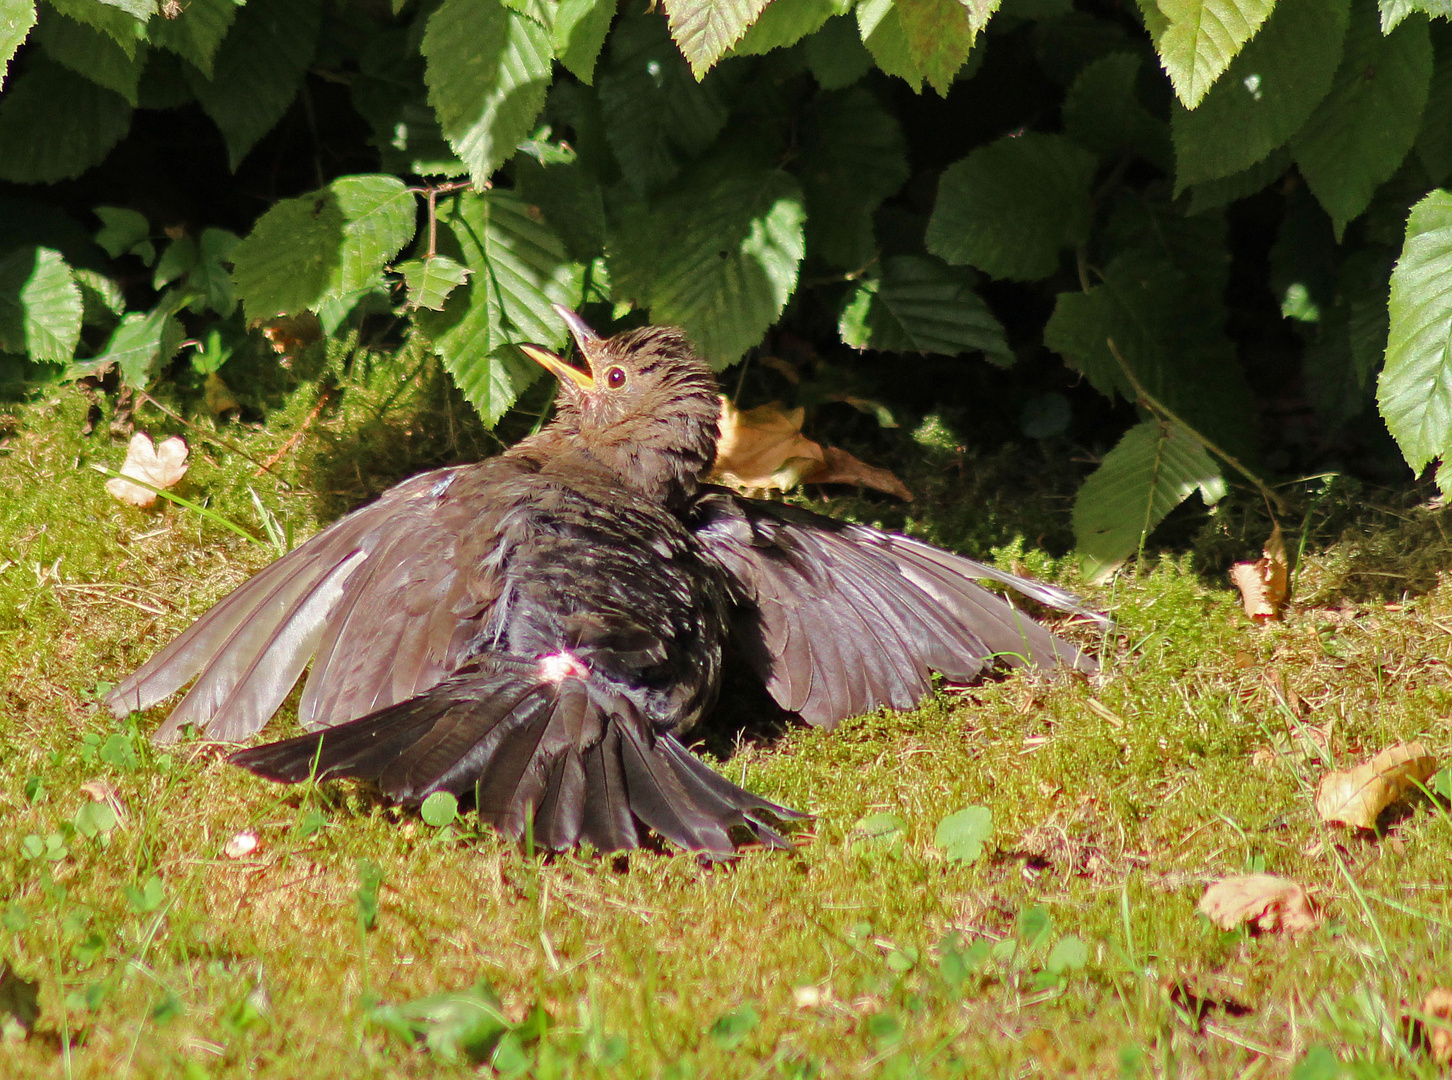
(575, 758)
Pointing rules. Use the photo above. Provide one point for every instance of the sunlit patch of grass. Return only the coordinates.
(1071, 944)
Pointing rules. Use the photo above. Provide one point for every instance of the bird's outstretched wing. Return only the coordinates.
(335, 600)
(573, 753)
(840, 619)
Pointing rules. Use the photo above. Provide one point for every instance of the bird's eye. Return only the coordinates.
(615, 378)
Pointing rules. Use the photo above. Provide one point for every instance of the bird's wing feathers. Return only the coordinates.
(840, 619)
(330, 597)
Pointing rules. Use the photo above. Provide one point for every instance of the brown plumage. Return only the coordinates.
(542, 628)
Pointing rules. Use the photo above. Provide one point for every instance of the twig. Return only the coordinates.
(1156, 406)
(295, 436)
(217, 440)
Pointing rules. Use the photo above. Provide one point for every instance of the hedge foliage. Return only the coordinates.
(734, 165)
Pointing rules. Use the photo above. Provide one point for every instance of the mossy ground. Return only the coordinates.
(1194, 754)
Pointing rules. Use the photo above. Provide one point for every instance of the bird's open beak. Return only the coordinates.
(585, 338)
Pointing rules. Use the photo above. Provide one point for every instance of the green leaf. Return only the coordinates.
(1269, 91)
(850, 158)
(124, 27)
(210, 280)
(1434, 142)
(717, 255)
(836, 55)
(1214, 194)
(148, 897)
(1103, 112)
(784, 23)
(439, 809)
(1414, 391)
(1068, 954)
(257, 70)
(880, 24)
(1010, 207)
(143, 341)
(370, 878)
(488, 72)
(939, 36)
(962, 835)
(16, 19)
(1394, 11)
(141, 10)
(322, 246)
(124, 231)
(881, 833)
(657, 117)
(430, 281)
(730, 1029)
(55, 125)
(40, 305)
(1197, 39)
(579, 33)
(92, 54)
(1154, 468)
(920, 305)
(1359, 135)
(195, 33)
(566, 192)
(389, 92)
(706, 29)
(518, 268)
(456, 1026)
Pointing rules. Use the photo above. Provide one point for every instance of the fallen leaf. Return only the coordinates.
(160, 466)
(288, 334)
(764, 449)
(1264, 902)
(1438, 1003)
(1356, 797)
(1263, 584)
(240, 846)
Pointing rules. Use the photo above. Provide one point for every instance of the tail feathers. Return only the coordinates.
(573, 759)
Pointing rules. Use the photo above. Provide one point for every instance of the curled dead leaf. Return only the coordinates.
(160, 466)
(1263, 584)
(1358, 796)
(1263, 902)
(764, 449)
(1438, 1005)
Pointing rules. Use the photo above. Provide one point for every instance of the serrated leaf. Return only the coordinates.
(567, 193)
(488, 72)
(657, 117)
(1197, 39)
(123, 230)
(1265, 96)
(140, 10)
(1434, 141)
(1103, 113)
(717, 255)
(1154, 467)
(90, 53)
(1414, 391)
(124, 27)
(257, 70)
(55, 125)
(880, 25)
(142, 341)
(1364, 128)
(430, 281)
(961, 836)
(389, 92)
(1010, 207)
(1214, 194)
(40, 305)
(939, 36)
(1394, 11)
(920, 305)
(579, 32)
(16, 19)
(851, 157)
(784, 23)
(322, 246)
(518, 268)
(210, 280)
(195, 33)
(836, 55)
(706, 29)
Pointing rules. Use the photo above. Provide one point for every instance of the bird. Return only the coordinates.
(543, 630)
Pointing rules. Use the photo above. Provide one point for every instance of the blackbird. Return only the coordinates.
(541, 629)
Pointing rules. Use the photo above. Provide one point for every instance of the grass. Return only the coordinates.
(1070, 945)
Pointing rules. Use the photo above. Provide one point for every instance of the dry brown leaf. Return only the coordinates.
(1264, 902)
(764, 449)
(288, 334)
(160, 466)
(219, 396)
(1263, 584)
(1438, 1003)
(1356, 797)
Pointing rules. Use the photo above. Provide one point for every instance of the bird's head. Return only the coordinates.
(647, 407)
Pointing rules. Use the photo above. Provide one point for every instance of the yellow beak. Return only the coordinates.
(558, 368)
